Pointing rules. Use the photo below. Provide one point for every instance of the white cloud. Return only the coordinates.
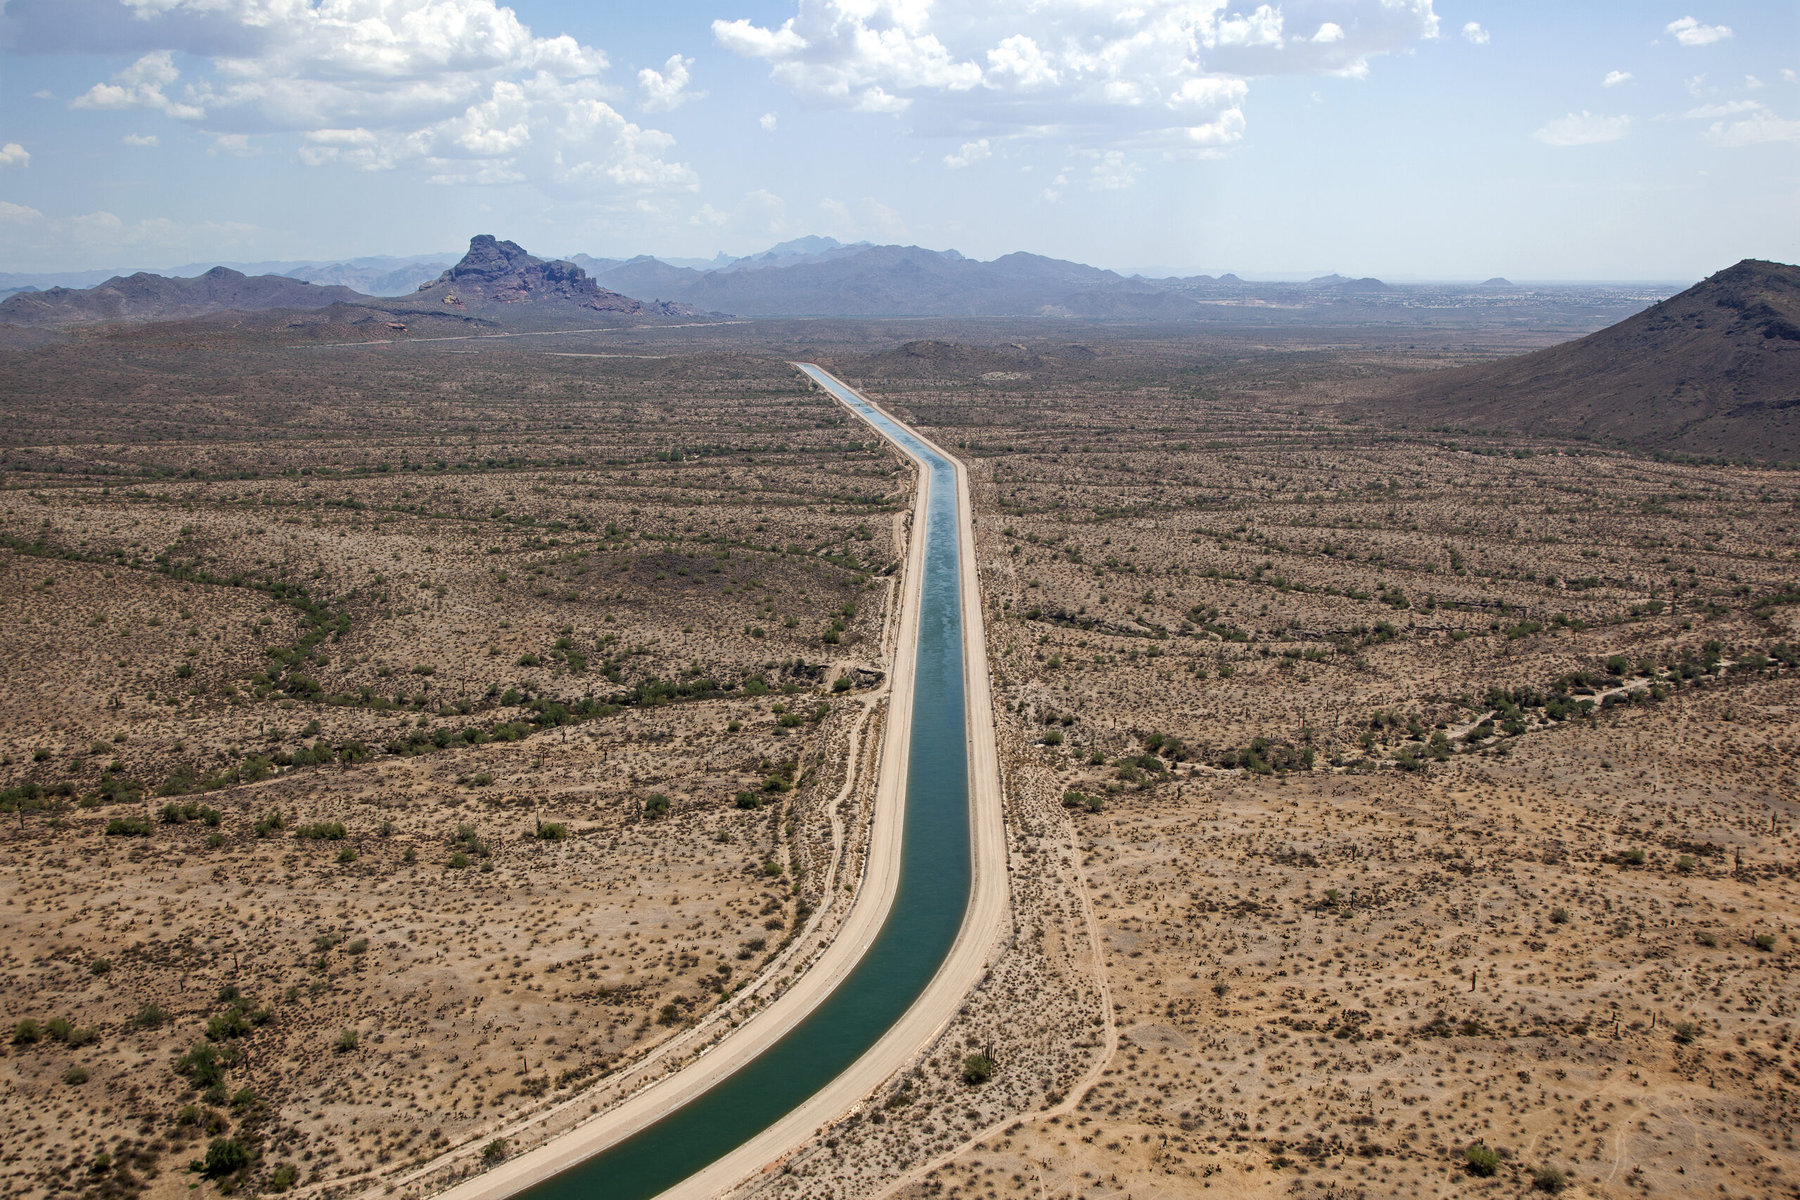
(1583, 129)
(459, 90)
(1751, 83)
(1068, 70)
(769, 121)
(1761, 128)
(1789, 75)
(1112, 173)
(1473, 32)
(1690, 32)
(14, 155)
(1707, 112)
(970, 154)
(41, 242)
(665, 89)
(141, 139)
(1615, 78)
(141, 86)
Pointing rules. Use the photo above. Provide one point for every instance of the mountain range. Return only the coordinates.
(495, 284)
(1713, 370)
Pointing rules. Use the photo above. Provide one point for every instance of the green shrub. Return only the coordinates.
(1481, 1160)
(656, 804)
(552, 831)
(75, 1076)
(1763, 941)
(202, 1065)
(27, 1032)
(1549, 1179)
(128, 827)
(1559, 915)
(283, 1177)
(749, 800)
(494, 1151)
(346, 1041)
(328, 831)
(458, 861)
(149, 1017)
(224, 1156)
(977, 1069)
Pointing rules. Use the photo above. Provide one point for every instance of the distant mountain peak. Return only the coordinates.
(496, 272)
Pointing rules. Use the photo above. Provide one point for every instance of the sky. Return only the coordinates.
(1407, 139)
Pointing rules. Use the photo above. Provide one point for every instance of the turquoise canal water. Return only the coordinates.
(917, 935)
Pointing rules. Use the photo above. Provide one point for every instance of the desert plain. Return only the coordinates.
(406, 744)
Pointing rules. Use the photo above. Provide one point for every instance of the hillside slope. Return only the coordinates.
(1713, 370)
(147, 297)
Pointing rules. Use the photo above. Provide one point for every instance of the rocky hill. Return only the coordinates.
(501, 281)
(1713, 370)
(147, 297)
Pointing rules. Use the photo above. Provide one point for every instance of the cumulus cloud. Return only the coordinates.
(1112, 173)
(666, 89)
(970, 154)
(141, 139)
(141, 85)
(44, 242)
(1759, 129)
(1690, 32)
(1473, 32)
(1583, 129)
(1615, 78)
(1161, 73)
(769, 122)
(1707, 112)
(14, 155)
(459, 90)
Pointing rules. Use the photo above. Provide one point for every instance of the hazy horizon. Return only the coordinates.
(1407, 139)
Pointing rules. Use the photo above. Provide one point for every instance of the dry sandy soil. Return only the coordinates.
(1329, 753)
(332, 762)
(1390, 853)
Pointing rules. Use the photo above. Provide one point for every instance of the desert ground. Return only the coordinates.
(1372, 793)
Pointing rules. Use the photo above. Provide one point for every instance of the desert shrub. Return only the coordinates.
(1074, 799)
(1549, 1179)
(552, 831)
(458, 861)
(27, 1032)
(283, 1177)
(225, 1156)
(327, 831)
(1706, 938)
(1053, 738)
(75, 1076)
(656, 804)
(1686, 1031)
(202, 1064)
(346, 1041)
(1633, 857)
(1763, 941)
(1481, 1160)
(977, 1069)
(494, 1151)
(749, 800)
(128, 827)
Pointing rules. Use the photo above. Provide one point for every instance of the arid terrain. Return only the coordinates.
(400, 739)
